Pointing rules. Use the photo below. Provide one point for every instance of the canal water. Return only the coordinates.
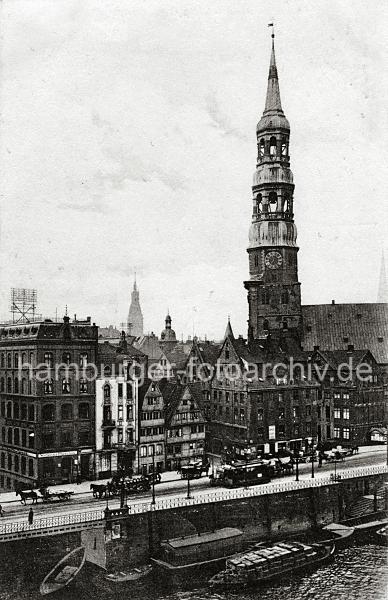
(355, 573)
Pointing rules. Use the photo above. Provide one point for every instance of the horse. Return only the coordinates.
(354, 449)
(24, 494)
(99, 490)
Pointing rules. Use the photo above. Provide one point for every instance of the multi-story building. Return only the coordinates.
(117, 433)
(47, 393)
(150, 450)
(185, 425)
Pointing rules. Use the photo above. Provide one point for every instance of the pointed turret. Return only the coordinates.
(382, 295)
(228, 330)
(273, 115)
(273, 102)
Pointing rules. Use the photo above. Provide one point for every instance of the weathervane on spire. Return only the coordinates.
(273, 31)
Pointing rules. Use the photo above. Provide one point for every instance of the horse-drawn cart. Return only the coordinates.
(50, 496)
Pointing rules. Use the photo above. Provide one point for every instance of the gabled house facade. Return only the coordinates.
(150, 451)
(185, 425)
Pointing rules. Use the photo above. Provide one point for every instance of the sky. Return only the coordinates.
(127, 141)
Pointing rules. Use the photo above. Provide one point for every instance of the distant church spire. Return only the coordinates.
(135, 316)
(382, 295)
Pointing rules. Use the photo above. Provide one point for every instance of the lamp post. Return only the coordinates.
(153, 475)
(188, 484)
(312, 464)
(297, 468)
(335, 469)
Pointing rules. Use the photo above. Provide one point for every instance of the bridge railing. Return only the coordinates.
(216, 495)
(50, 522)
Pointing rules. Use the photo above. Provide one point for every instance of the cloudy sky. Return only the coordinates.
(128, 141)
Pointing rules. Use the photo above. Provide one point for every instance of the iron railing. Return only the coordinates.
(216, 495)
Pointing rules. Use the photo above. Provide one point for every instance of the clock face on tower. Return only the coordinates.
(273, 260)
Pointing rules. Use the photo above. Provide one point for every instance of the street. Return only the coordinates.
(171, 487)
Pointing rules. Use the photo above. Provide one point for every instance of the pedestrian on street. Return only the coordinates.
(31, 516)
(1, 511)
(319, 460)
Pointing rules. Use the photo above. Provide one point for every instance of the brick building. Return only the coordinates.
(47, 396)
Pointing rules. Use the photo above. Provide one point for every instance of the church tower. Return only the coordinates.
(135, 316)
(273, 288)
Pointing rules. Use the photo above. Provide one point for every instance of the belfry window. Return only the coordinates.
(262, 147)
(273, 198)
(284, 297)
(272, 146)
(256, 260)
(284, 147)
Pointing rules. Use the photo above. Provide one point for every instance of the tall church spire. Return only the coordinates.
(273, 287)
(382, 295)
(135, 316)
(273, 102)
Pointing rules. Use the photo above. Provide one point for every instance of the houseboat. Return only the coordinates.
(189, 555)
(265, 563)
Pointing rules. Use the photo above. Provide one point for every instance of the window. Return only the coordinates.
(2, 460)
(345, 433)
(308, 410)
(83, 360)
(16, 361)
(66, 412)
(31, 467)
(84, 410)
(9, 436)
(49, 360)
(24, 359)
(16, 385)
(84, 438)
(159, 449)
(48, 440)
(337, 413)
(345, 395)
(2, 384)
(16, 437)
(295, 412)
(9, 385)
(48, 386)
(120, 438)
(83, 386)
(107, 391)
(337, 432)
(2, 362)
(129, 412)
(120, 412)
(48, 412)
(24, 438)
(345, 413)
(24, 386)
(9, 361)
(31, 412)
(66, 358)
(9, 462)
(143, 451)
(260, 414)
(120, 390)
(65, 386)
(16, 464)
(327, 410)
(256, 260)
(9, 410)
(31, 439)
(262, 147)
(129, 390)
(66, 438)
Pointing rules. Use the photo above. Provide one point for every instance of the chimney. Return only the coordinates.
(333, 302)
